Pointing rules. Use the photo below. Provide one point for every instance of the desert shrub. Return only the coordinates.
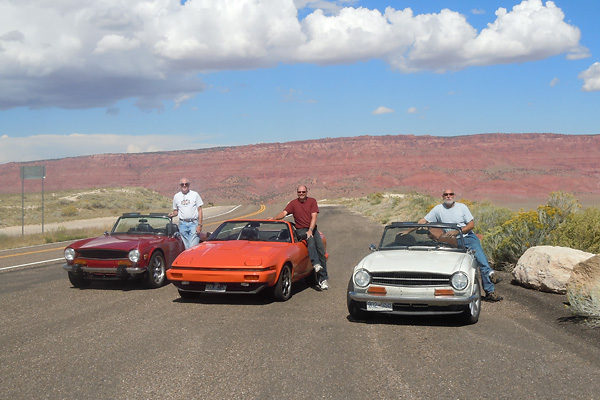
(585, 304)
(507, 243)
(565, 202)
(488, 217)
(375, 198)
(419, 205)
(579, 231)
(69, 211)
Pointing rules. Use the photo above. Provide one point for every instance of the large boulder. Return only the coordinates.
(548, 268)
(586, 276)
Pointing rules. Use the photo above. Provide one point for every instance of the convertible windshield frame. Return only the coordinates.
(415, 236)
(254, 231)
(141, 224)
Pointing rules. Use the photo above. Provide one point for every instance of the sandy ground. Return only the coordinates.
(91, 223)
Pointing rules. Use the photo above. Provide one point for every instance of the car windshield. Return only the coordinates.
(264, 231)
(141, 225)
(422, 236)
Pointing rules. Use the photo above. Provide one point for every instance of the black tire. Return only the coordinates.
(282, 291)
(156, 276)
(471, 312)
(187, 295)
(357, 309)
(78, 281)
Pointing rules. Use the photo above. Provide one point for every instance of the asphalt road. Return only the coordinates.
(121, 342)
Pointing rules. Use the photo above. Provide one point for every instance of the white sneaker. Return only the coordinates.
(318, 267)
(324, 285)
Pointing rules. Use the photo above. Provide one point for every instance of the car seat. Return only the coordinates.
(249, 233)
(404, 240)
(283, 235)
(144, 227)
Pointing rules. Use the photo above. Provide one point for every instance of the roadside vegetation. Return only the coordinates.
(507, 234)
(73, 205)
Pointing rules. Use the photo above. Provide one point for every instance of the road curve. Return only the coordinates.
(119, 341)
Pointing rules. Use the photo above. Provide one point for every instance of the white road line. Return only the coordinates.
(226, 212)
(34, 263)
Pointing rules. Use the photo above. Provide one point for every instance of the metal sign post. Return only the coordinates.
(31, 172)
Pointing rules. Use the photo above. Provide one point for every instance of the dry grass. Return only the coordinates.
(385, 208)
(55, 236)
(79, 204)
(73, 205)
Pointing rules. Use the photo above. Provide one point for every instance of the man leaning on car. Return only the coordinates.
(305, 210)
(458, 213)
(187, 205)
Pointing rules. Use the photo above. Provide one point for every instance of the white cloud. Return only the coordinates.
(382, 110)
(116, 43)
(554, 82)
(81, 54)
(60, 146)
(591, 78)
(412, 110)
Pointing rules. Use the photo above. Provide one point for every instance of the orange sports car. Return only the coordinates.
(244, 256)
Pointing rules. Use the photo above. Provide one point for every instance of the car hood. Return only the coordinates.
(413, 260)
(115, 242)
(235, 253)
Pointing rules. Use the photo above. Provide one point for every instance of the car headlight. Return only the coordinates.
(362, 278)
(134, 255)
(69, 254)
(459, 280)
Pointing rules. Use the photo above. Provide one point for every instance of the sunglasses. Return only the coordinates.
(184, 184)
(448, 194)
(301, 191)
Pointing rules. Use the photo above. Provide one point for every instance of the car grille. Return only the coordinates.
(103, 254)
(409, 279)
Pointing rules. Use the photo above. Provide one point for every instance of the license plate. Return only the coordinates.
(215, 287)
(377, 306)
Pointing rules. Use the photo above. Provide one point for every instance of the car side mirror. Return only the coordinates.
(372, 247)
(106, 233)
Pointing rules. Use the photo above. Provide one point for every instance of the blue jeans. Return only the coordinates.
(316, 251)
(188, 233)
(472, 242)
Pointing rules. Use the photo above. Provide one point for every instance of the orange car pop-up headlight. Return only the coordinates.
(253, 262)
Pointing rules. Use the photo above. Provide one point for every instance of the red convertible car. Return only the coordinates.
(244, 256)
(139, 246)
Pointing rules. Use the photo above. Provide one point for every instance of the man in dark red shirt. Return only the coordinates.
(305, 210)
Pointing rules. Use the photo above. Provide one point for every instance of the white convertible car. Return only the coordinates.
(418, 269)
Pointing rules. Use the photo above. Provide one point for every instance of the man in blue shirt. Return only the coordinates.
(458, 213)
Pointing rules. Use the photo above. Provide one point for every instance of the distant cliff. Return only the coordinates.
(493, 166)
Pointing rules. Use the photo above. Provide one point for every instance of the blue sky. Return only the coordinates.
(86, 77)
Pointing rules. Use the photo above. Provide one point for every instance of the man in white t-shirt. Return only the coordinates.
(187, 205)
(458, 213)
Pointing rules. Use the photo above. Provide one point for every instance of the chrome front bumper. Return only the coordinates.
(78, 269)
(424, 300)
